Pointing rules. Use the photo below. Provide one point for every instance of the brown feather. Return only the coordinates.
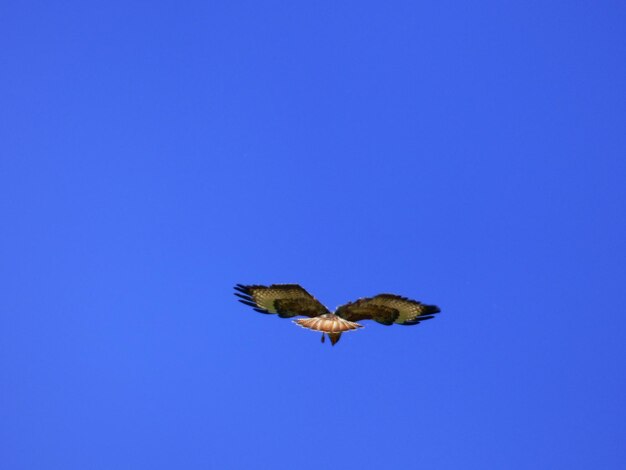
(387, 309)
(286, 300)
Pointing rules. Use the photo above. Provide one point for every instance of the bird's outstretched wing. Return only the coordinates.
(387, 309)
(286, 300)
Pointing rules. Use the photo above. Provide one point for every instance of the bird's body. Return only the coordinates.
(291, 300)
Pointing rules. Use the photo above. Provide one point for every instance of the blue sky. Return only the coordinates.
(153, 154)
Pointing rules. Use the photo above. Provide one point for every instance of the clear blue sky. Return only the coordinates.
(153, 154)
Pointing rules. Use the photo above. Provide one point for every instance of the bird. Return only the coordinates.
(291, 300)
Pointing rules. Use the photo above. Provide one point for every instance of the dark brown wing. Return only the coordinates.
(287, 300)
(387, 309)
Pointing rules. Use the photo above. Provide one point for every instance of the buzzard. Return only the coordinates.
(291, 300)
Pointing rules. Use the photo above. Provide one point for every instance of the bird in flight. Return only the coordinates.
(291, 300)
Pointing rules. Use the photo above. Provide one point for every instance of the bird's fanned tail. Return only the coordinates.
(329, 324)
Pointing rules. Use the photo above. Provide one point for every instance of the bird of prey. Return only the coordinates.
(291, 300)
